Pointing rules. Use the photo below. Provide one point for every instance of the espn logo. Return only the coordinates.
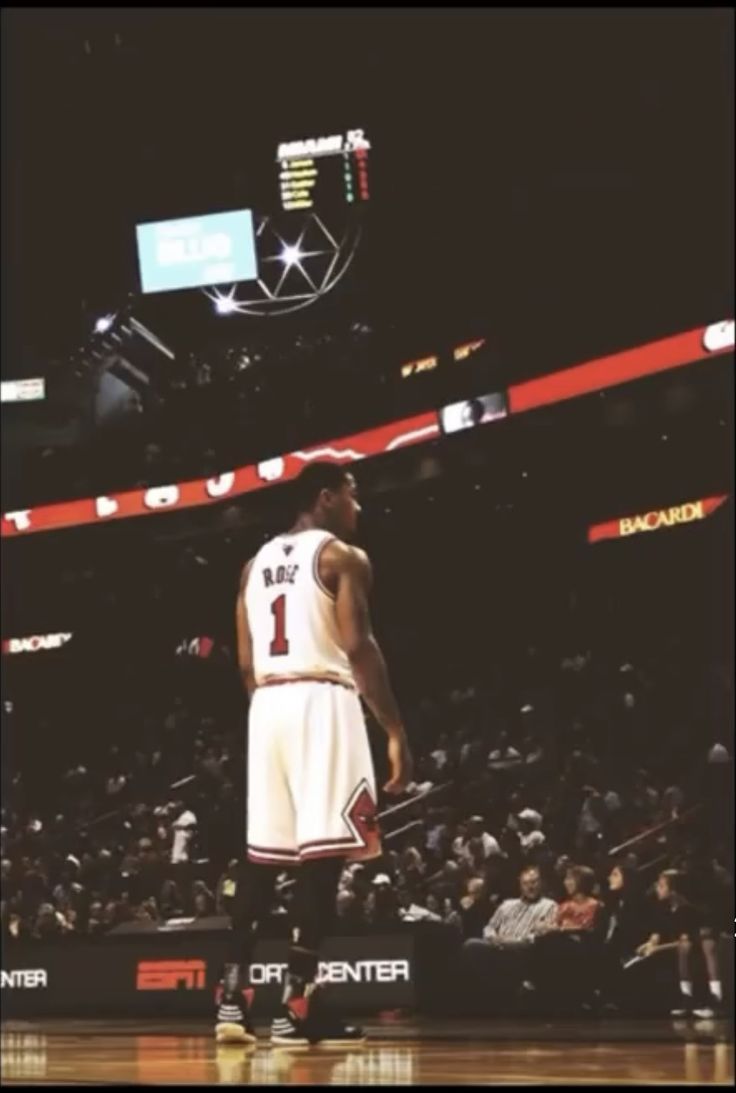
(171, 975)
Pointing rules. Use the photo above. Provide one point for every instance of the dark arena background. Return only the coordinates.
(235, 242)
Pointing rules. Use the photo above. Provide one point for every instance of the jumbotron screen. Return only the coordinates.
(323, 171)
(216, 249)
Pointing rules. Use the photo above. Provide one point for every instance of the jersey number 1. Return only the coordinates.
(279, 645)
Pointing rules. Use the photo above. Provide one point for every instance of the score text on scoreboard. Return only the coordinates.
(319, 171)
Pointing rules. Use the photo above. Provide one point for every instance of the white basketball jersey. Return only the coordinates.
(291, 615)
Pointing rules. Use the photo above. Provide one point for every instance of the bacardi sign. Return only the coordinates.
(35, 643)
(686, 513)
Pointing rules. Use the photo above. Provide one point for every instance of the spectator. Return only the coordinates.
(476, 845)
(204, 896)
(48, 924)
(440, 754)
(718, 753)
(226, 886)
(110, 915)
(381, 903)
(571, 941)
(95, 922)
(147, 911)
(580, 911)
(625, 931)
(501, 960)
(449, 912)
(6, 871)
(183, 827)
(410, 910)
(591, 822)
(504, 756)
(349, 910)
(474, 909)
(16, 929)
(531, 835)
(202, 905)
(532, 750)
(679, 928)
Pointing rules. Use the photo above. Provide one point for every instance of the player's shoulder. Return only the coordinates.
(245, 571)
(345, 555)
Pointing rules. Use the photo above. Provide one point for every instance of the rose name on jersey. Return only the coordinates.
(282, 574)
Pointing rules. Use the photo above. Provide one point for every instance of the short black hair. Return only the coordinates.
(313, 479)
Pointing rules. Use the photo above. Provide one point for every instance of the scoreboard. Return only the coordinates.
(324, 170)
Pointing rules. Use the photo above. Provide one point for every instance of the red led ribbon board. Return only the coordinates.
(119, 506)
(659, 356)
(633, 364)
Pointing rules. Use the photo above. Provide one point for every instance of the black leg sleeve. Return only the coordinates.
(315, 911)
(251, 903)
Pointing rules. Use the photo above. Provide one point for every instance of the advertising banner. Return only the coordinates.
(176, 974)
(23, 390)
(655, 520)
(34, 644)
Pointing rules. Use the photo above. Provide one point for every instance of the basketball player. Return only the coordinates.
(306, 653)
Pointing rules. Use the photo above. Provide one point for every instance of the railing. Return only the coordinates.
(643, 836)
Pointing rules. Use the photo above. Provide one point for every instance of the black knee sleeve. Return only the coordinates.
(315, 908)
(254, 887)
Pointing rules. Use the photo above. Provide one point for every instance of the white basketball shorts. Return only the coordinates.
(311, 784)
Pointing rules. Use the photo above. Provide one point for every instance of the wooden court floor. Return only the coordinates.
(404, 1052)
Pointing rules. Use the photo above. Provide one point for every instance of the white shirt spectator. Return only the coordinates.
(440, 758)
(435, 835)
(532, 839)
(530, 832)
(718, 754)
(414, 913)
(183, 832)
(461, 846)
(504, 757)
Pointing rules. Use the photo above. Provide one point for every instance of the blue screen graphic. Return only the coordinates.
(201, 250)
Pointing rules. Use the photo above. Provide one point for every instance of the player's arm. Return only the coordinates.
(354, 578)
(245, 645)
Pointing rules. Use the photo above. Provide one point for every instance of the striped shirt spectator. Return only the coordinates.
(518, 921)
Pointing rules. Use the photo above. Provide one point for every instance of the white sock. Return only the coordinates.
(715, 989)
(686, 988)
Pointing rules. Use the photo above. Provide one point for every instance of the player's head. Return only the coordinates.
(328, 493)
